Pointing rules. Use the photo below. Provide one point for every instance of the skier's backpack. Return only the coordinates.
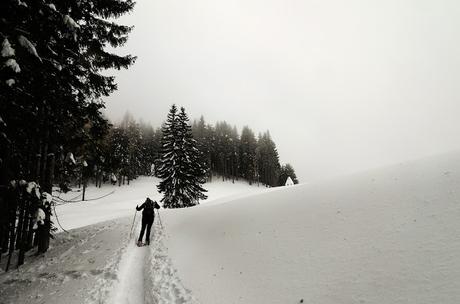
(148, 208)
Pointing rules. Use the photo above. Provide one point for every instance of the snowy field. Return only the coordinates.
(390, 235)
(384, 236)
(121, 201)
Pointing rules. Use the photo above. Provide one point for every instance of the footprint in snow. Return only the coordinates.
(74, 274)
(96, 271)
(111, 275)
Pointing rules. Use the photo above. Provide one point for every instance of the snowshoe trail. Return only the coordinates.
(131, 278)
(146, 274)
(98, 264)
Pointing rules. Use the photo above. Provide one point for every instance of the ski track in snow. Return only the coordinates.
(98, 264)
(145, 275)
(131, 286)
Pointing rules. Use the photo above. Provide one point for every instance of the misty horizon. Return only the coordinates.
(342, 87)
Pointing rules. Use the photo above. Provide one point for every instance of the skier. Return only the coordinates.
(148, 215)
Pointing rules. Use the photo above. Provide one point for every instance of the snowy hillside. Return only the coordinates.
(384, 236)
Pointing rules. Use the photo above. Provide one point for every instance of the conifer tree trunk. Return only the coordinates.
(38, 157)
(84, 190)
(48, 185)
(233, 175)
(30, 233)
(20, 222)
(11, 246)
(12, 225)
(43, 175)
(4, 220)
(47, 229)
(22, 237)
(28, 159)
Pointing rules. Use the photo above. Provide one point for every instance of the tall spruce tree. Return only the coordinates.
(267, 160)
(180, 165)
(194, 163)
(168, 159)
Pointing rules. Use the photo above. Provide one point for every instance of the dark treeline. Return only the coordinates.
(130, 149)
(233, 156)
(133, 148)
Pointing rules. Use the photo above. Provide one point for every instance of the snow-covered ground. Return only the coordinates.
(384, 236)
(121, 201)
(97, 261)
(79, 267)
(98, 264)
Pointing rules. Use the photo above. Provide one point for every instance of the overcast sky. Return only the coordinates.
(342, 85)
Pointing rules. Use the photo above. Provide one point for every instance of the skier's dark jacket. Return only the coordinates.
(148, 213)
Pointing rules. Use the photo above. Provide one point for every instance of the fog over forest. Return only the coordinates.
(342, 86)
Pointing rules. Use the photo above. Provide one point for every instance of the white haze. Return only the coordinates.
(341, 85)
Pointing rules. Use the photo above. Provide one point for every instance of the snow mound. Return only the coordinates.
(384, 236)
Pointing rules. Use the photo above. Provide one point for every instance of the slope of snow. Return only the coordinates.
(384, 236)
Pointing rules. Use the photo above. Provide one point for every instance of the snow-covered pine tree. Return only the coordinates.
(180, 168)
(168, 160)
(195, 165)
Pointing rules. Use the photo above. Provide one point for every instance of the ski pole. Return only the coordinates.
(159, 218)
(132, 226)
